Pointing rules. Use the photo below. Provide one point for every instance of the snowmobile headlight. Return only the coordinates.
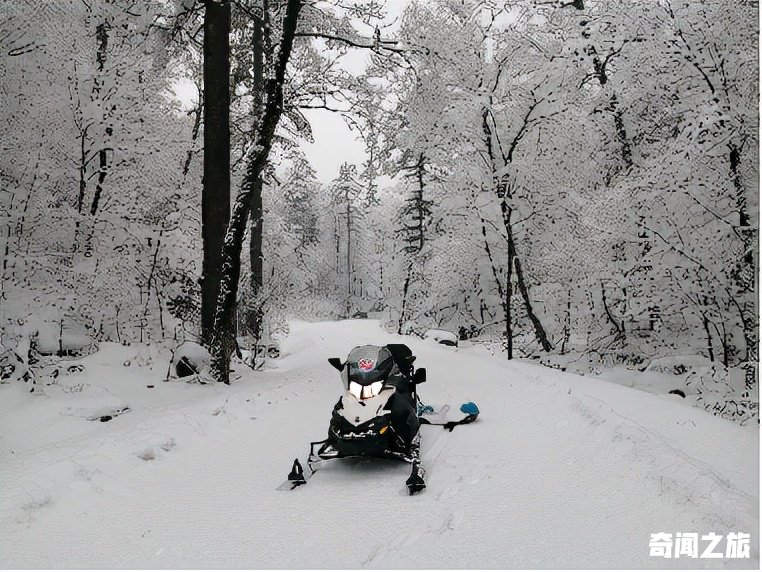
(355, 389)
(375, 388)
(365, 391)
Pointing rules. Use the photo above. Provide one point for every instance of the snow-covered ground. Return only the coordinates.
(560, 470)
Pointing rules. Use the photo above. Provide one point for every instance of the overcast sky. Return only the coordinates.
(334, 142)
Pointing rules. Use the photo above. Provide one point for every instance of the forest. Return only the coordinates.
(550, 178)
(217, 217)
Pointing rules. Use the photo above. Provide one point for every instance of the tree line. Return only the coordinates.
(558, 177)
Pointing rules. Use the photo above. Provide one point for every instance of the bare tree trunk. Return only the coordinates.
(709, 345)
(502, 190)
(539, 331)
(255, 311)
(223, 337)
(621, 132)
(197, 114)
(103, 163)
(504, 298)
(215, 196)
(745, 273)
(514, 263)
(416, 211)
(618, 328)
(349, 252)
(338, 241)
(723, 337)
(405, 289)
(567, 323)
(508, 279)
(420, 169)
(82, 170)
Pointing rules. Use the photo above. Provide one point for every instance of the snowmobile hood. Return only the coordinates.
(368, 364)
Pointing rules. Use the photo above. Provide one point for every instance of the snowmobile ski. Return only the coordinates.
(415, 482)
(434, 413)
(296, 477)
(470, 409)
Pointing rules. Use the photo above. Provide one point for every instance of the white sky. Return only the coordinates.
(334, 142)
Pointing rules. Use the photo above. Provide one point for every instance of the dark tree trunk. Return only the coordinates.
(349, 251)
(101, 36)
(618, 328)
(745, 273)
(215, 196)
(621, 133)
(197, 114)
(508, 279)
(709, 344)
(504, 301)
(567, 323)
(502, 190)
(223, 337)
(417, 212)
(539, 331)
(338, 242)
(420, 169)
(103, 165)
(405, 289)
(723, 337)
(82, 171)
(255, 311)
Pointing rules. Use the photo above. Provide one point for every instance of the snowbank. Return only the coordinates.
(442, 337)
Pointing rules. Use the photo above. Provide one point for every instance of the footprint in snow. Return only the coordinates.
(151, 453)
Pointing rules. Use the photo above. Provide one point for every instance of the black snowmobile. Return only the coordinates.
(378, 415)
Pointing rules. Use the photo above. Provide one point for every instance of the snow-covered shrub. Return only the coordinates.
(441, 337)
(190, 362)
(12, 367)
(409, 328)
(723, 392)
(678, 364)
(561, 362)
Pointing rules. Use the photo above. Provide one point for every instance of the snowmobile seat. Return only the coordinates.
(403, 357)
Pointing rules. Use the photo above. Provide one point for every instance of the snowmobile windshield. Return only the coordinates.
(369, 364)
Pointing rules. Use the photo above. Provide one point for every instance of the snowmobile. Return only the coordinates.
(378, 415)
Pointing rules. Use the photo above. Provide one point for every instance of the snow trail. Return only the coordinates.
(559, 471)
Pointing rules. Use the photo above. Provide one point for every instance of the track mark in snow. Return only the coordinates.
(451, 522)
(35, 504)
(448, 523)
(469, 472)
(668, 465)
